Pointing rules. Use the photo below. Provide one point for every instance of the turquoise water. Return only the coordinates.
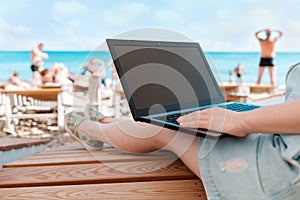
(20, 61)
(223, 62)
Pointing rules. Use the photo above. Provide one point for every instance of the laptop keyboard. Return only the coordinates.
(238, 107)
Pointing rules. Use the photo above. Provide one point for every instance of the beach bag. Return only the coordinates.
(292, 142)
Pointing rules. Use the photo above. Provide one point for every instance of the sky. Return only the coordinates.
(79, 25)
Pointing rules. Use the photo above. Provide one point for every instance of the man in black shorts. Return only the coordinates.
(267, 45)
(37, 56)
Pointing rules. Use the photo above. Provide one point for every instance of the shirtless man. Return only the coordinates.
(267, 53)
(37, 63)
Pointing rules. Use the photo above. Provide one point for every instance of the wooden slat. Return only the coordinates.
(65, 173)
(88, 158)
(228, 87)
(84, 153)
(32, 116)
(7, 144)
(40, 94)
(167, 190)
(50, 87)
(261, 88)
(74, 146)
(92, 173)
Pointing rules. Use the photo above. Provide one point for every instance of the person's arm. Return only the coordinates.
(40, 54)
(257, 34)
(282, 118)
(280, 33)
(16, 81)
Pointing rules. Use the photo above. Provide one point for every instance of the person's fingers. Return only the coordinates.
(198, 119)
(201, 114)
(188, 117)
(195, 124)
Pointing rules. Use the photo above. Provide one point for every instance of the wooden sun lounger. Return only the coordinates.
(49, 94)
(261, 92)
(262, 88)
(230, 93)
(42, 96)
(70, 172)
(118, 96)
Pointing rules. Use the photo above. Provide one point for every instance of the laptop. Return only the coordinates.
(164, 80)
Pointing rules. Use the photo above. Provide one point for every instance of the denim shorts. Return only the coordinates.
(251, 168)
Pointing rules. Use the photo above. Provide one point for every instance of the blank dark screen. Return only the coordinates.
(173, 76)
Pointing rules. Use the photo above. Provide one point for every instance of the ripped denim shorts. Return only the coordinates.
(255, 167)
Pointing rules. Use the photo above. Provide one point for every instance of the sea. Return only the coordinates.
(221, 62)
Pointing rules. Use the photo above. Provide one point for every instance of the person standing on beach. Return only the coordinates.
(267, 53)
(37, 56)
(239, 71)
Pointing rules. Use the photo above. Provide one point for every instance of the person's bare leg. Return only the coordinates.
(272, 75)
(35, 78)
(141, 138)
(260, 73)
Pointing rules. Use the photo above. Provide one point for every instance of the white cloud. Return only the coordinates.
(75, 24)
(13, 37)
(167, 16)
(228, 31)
(68, 7)
(8, 7)
(125, 13)
(13, 29)
(290, 39)
(22, 29)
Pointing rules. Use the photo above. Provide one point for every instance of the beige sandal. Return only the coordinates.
(72, 121)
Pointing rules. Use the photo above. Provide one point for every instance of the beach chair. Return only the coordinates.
(18, 102)
(235, 92)
(120, 104)
(263, 92)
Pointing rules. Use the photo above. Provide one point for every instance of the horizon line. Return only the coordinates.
(210, 51)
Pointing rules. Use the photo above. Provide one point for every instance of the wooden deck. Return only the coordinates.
(70, 172)
(12, 149)
(7, 144)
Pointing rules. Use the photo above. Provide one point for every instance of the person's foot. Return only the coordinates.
(92, 113)
(72, 122)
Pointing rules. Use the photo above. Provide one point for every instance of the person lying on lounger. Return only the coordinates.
(15, 83)
(57, 75)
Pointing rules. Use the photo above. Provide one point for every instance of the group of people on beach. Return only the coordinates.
(267, 39)
(58, 75)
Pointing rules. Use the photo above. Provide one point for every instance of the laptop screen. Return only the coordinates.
(173, 75)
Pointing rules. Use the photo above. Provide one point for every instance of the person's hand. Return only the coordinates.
(216, 119)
